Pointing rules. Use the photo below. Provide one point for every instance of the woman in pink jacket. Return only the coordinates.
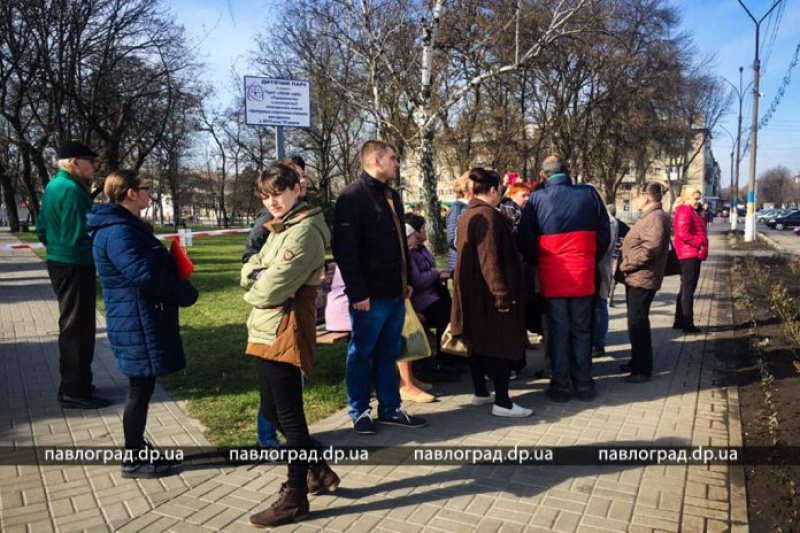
(691, 245)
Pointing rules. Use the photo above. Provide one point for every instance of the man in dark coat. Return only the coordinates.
(371, 250)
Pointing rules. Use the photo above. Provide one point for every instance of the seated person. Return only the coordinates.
(430, 297)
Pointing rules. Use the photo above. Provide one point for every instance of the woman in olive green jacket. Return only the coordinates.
(281, 282)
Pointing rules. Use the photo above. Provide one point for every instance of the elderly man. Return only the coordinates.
(371, 250)
(644, 260)
(61, 227)
(565, 231)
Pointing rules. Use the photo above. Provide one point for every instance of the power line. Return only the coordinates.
(773, 34)
(787, 79)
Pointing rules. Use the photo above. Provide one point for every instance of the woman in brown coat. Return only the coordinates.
(644, 260)
(489, 298)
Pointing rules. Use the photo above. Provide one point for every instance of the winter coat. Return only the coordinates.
(141, 291)
(691, 238)
(564, 231)
(61, 224)
(293, 256)
(488, 277)
(368, 247)
(645, 249)
(424, 278)
(451, 223)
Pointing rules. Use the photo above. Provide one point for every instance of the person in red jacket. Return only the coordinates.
(691, 246)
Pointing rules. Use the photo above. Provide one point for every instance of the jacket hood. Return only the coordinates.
(113, 214)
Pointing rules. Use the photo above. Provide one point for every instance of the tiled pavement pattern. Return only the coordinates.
(687, 403)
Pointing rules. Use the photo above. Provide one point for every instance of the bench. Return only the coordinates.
(324, 336)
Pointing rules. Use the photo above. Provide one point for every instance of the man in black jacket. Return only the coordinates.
(370, 249)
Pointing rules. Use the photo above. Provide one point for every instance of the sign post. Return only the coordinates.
(279, 103)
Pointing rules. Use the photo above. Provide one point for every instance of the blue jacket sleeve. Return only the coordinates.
(147, 264)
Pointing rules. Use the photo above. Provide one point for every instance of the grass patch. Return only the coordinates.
(219, 380)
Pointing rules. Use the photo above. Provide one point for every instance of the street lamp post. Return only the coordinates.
(735, 180)
(733, 199)
(750, 219)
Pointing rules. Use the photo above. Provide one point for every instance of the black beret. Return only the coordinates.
(71, 149)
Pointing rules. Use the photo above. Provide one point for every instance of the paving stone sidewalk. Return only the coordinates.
(688, 403)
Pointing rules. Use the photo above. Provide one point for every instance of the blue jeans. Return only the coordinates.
(267, 435)
(600, 329)
(375, 344)
(569, 343)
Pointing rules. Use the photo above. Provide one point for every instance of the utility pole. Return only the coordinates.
(750, 219)
(733, 146)
(735, 180)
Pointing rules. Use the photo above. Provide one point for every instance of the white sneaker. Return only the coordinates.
(482, 400)
(516, 411)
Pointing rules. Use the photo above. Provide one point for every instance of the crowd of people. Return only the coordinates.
(540, 257)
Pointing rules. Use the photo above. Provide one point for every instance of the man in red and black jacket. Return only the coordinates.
(565, 231)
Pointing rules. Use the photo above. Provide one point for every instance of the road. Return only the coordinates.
(786, 239)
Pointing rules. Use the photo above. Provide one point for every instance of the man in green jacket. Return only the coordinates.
(61, 227)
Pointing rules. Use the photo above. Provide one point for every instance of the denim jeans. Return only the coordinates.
(266, 432)
(374, 346)
(569, 343)
(600, 323)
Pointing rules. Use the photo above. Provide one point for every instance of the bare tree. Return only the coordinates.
(775, 186)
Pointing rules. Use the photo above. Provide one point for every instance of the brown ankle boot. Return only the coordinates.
(291, 506)
(321, 479)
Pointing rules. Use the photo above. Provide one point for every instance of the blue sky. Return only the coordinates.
(224, 31)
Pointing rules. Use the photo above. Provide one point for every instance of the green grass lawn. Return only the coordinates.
(219, 381)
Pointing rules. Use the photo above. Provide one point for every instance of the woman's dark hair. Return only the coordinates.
(483, 180)
(118, 183)
(653, 189)
(276, 179)
(415, 221)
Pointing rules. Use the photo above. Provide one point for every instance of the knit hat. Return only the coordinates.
(72, 149)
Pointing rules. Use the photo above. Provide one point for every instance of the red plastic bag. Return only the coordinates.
(182, 261)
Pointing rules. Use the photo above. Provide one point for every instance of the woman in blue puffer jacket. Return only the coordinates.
(142, 293)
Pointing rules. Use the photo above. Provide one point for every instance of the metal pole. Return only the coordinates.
(750, 219)
(280, 148)
(735, 219)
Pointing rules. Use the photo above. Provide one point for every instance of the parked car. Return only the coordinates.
(765, 215)
(789, 220)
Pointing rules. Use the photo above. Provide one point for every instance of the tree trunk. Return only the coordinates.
(27, 179)
(429, 182)
(9, 198)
